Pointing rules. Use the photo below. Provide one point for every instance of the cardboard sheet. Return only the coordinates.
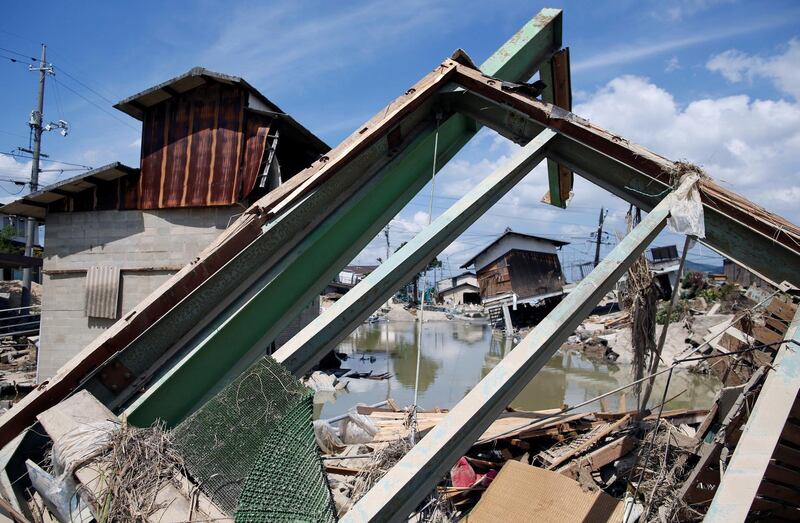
(521, 493)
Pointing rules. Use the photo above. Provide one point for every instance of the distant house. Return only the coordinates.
(352, 274)
(520, 275)
(458, 290)
(664, 263)
(735, 273)
(13, 263)
(211, 144)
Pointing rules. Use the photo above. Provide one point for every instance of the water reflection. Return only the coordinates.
(457, 355)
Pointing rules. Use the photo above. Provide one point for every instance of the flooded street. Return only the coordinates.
(456, 355)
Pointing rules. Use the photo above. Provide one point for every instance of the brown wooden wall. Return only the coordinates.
(525, 273)
(200, 148)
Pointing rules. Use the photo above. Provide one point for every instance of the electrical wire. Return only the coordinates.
(17, 155)
(96, 105)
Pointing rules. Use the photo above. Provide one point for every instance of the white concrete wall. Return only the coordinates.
(508, 243)
(148, 247)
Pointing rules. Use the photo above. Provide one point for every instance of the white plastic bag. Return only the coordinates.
(686, 211)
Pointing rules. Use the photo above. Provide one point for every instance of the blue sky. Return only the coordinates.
(715, 82)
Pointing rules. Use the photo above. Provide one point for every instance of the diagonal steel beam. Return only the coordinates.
(414, 476)
(743, 477)
(306, 348)
(343, 214)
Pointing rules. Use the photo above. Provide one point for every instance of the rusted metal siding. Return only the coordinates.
(257, 130)
(193, 149)
(102, 292)
(525, 273)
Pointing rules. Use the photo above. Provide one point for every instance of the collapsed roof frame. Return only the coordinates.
(215, 316)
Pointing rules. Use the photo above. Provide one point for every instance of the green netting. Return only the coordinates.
(252, 449)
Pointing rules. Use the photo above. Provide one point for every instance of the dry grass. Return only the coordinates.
(138, 464)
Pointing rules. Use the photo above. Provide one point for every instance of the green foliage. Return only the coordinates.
(678, 312)
(6, 245)
(693, 283)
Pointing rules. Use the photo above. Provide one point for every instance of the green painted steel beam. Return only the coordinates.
(306, 348)
(241, 335)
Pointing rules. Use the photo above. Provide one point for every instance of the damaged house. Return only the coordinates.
(459, 290)
(211, 144)
(520, 278)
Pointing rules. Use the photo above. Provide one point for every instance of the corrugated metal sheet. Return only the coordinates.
(102, 292)
(192, 149)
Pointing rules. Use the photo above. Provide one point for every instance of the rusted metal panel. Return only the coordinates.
(198, 173)
(258, 127)
(192, 147)
(102, 292)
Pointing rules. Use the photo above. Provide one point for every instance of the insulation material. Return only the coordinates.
(102, 292)
(521, 493)
(686, 211)
(252, 448)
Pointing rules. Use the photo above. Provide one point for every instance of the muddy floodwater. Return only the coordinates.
(456, 355)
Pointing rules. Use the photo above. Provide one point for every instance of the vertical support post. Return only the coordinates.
(755, 448)
(322, 334)
(414, 476)
(555, 73)
(507, 321)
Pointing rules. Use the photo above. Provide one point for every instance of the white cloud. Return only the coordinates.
(782, 70)
(747, 144)
(678, 10)
(673, 64)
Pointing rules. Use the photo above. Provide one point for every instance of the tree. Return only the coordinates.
(6, 245)
(435, 263)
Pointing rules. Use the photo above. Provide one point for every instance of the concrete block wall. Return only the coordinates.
(147, 246)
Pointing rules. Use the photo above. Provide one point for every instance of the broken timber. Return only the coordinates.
(743, 481)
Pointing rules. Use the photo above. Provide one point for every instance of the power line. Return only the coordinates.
(16, 155)
(27, 57)
(109, 113)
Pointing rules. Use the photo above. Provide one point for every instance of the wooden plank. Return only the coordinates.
(780, 492)
(601, 457)
(791, 433)
(602, 433)
(772, 508)
(782, 309)
(782, 474)
(788, 455)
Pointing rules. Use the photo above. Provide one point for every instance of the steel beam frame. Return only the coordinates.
(206, 358)
(414, 476)
(754, 450)
(323, 334)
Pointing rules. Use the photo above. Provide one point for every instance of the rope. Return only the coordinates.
(413, 435)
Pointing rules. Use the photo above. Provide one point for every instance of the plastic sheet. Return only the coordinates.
(686, 212)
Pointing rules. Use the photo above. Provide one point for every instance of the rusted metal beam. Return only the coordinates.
(556, 74)
(745, 473)
(415, 476)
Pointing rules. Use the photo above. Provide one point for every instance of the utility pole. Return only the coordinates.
(36, 127)
(599, 238)
(386, 233)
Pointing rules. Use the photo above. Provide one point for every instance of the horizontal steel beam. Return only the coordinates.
(415, 476)
(761, 241)
(753, 453)
(306, 348)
